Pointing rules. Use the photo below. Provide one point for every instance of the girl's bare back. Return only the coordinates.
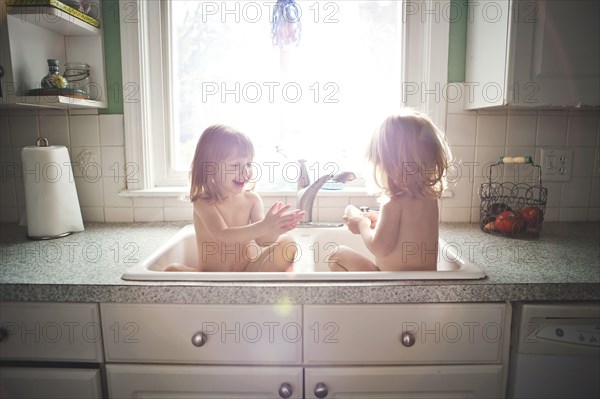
(416, 245)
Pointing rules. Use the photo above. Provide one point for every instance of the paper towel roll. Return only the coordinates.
(50, 195)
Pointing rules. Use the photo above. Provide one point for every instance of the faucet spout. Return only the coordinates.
(306, 196)
(308, 192)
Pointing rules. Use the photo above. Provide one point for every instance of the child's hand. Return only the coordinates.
(279, 221)
(354, 223)
(297, 215)
(352, 211)
(372, 216)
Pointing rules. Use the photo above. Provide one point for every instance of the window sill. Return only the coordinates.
(162, 192)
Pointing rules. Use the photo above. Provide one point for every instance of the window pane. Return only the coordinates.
(319, 100)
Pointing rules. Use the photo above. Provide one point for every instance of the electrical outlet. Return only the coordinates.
(556, 164)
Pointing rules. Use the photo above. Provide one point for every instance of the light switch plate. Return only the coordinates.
(556, 164)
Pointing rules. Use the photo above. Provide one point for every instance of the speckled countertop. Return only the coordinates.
(562, 264)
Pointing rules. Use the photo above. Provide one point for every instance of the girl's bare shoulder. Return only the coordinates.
(251, 195)
(203, 204)
(410, 202)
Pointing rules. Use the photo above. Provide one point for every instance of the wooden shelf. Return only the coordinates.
(54, 19)
(61, 102)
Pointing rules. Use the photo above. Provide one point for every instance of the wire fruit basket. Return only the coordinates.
(513, 199)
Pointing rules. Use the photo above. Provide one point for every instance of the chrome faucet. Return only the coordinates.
(307, 192)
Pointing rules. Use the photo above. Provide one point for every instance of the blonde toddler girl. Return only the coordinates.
(232, 232)
(409, 157)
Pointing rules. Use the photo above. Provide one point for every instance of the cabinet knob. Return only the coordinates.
(321, 390)
(285, 390)
(407, 339)
(3, 334)
(199, 339)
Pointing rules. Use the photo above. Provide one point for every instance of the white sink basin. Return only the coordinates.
(315, 244)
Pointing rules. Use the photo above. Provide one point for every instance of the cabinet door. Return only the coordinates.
(48, 383)
(405, 334)
(202, 382)
(404, 382)
(209, 334)
(555, 57)
(485, 64)
(50, 331)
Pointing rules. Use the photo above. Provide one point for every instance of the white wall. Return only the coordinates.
(475, 136)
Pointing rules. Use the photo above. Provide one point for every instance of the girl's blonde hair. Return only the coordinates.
(216, 144)
(409, 156)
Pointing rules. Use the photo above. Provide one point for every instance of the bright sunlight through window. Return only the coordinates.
(318, 99)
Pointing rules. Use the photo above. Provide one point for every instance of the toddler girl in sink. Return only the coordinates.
(409, 157)
(232, 233)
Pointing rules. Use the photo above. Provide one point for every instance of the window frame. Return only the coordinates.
(425, 44)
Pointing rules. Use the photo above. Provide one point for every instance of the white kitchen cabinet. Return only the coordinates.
(404, 382)
(57, 332)
(262, 351)
(406, 351)
(31, 35)
(405, 334)
(49, 350)
(50, 383)
(254, 351)
(203, 382)
(207, 334)
(532, 54)
(237, 351)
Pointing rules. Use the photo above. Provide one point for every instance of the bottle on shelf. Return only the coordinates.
(54, 80)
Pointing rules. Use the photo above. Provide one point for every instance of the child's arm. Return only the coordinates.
(276, 221)
(382, 240)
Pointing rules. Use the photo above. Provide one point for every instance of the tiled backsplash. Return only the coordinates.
(477, 138)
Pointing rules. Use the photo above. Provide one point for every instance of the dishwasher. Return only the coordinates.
(555, 351)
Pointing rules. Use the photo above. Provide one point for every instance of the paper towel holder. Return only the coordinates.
(62, 225)
(44, 238)
(42, 142)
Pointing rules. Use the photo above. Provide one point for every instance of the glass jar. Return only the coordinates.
(78, 75)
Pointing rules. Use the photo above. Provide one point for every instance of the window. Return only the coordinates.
(205, 62)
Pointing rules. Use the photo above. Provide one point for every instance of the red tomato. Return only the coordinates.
(508, 222)
(533, 215)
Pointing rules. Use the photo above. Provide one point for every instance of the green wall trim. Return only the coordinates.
(112, 57)
(457, 48)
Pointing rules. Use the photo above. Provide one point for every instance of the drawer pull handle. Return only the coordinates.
(199, 339)
(3, 335)
(321, 390)
(285, 390)
(407, 339)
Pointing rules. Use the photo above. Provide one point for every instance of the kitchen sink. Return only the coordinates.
(315, 243)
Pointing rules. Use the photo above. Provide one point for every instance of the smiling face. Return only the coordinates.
(221, 165)
(234, 173)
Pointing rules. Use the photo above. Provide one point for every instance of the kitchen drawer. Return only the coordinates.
(482, 381)
(405, 334)
(49, 383)
(209, 334)
(62, 332)
(203, 382)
